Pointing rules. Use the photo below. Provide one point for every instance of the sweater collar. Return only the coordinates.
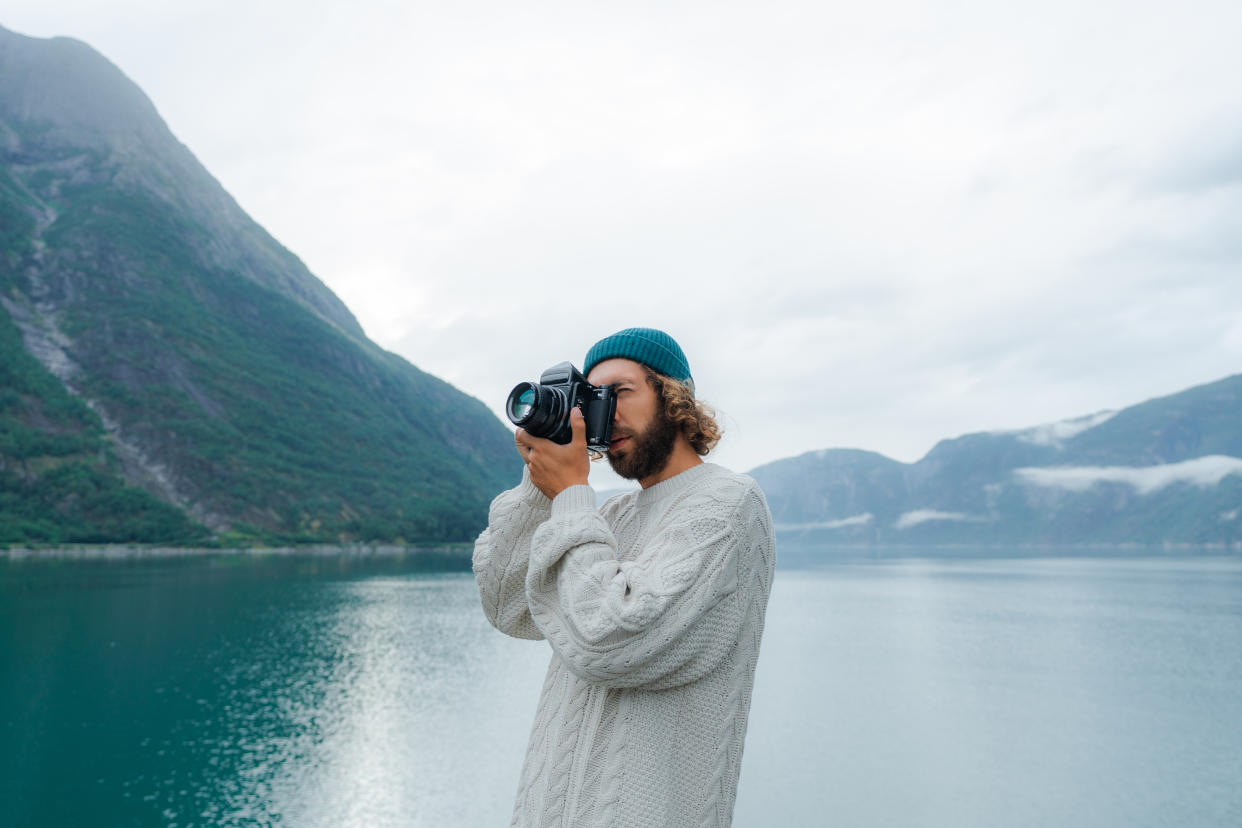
(678, 483)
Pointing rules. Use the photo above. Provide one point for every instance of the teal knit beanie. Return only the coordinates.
(655, 349)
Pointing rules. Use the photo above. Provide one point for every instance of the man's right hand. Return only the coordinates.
(555, 467)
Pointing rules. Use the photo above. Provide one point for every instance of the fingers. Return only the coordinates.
(555, 467)
(550, 451)
(525, 447)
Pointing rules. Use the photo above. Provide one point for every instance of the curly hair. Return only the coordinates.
(696, 420)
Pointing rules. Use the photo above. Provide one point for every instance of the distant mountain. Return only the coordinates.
(1168, 470)
(170, 372)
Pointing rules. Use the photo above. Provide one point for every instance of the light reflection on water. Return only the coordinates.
(259, 693)
(396, 721)
(335, 693)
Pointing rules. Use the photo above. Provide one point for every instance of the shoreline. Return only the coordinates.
(124, 552)
(796, 552)
(1033, 547)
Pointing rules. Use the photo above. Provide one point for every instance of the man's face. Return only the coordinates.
(642, 436)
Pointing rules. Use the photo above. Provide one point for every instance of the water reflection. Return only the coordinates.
(321, 692)
(1016, 692)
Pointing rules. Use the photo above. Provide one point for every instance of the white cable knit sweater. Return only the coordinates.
(654, 609)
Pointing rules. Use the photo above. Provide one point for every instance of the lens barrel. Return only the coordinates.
(542, 410)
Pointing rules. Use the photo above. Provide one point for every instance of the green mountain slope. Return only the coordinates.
(201, 362)
(1199, 421)
(55, 482)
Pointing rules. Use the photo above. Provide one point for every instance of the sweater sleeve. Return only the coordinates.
(502, 553)
(666, 618)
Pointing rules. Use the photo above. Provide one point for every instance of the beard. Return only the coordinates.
(649, 449)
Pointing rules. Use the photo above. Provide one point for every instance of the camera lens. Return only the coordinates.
(540, 409)
(521, 402)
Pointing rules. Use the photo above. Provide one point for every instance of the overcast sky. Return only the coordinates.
(869, 225)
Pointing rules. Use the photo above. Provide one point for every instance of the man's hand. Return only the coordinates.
(553, 467)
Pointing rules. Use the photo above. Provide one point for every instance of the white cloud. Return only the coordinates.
(855, 520)
(1204, 472)
(914, 518)
(1054, 434)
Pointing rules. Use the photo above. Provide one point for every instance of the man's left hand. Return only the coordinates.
(555, 467)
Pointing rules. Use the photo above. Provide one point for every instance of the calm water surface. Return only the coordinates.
(347, 692)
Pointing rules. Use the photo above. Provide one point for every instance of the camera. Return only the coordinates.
(542, 408)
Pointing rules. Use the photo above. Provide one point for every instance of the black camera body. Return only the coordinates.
(542, 408)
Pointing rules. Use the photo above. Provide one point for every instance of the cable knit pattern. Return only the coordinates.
(501, 555)
(653, 607)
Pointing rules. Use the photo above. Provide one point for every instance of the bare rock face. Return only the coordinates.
(65, 110)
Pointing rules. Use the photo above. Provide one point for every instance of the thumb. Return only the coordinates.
(578, 424)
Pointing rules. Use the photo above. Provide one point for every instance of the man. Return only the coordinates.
(653, 605)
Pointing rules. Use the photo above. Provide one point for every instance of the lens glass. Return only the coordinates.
(523, 404)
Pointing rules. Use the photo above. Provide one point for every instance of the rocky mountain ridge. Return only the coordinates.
(1168, 470)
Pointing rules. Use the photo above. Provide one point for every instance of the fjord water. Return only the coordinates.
(319, 691)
